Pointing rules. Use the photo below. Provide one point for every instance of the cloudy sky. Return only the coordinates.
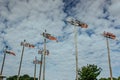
(27, 19)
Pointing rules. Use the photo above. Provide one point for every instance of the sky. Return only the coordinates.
(27, 19)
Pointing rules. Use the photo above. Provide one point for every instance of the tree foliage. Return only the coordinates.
(110, 79)
(89, 72)
(24, 77)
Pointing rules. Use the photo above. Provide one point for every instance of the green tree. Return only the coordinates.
(12, 77)
(103, 79)
(24, 77)
(115, 78)
(119, 78)
(109, 78)
(89, 72)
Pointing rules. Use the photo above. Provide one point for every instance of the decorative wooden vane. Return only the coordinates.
(36, 61)
(41, 52)
(27, 45)
(49, 36)
(109, 35)
(78, 23)
(9, 52)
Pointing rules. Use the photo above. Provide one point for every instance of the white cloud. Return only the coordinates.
(114, 9)
(92, 12)
(27, 20)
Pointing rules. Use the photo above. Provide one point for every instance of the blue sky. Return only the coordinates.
(27, 19)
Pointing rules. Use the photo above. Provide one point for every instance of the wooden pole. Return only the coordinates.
(76, 51)
(3, 63)
(1, 78)
(20, 62)
(3, 60)
(35, 69)
(109, 61)
(41, 67)
(44, 57)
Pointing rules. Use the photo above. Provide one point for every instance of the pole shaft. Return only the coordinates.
(3, 63)
(109, 61)
(20, 62)
(76, 52)
(35, 72)
(44, 58)
(41, 67)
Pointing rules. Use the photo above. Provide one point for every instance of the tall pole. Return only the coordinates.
(82, 25)
(76, 51)
(41, 67)
(44, 57)
(109, 61)
(2, 66)
(3, 61)
(35, 69)
(21, 62)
